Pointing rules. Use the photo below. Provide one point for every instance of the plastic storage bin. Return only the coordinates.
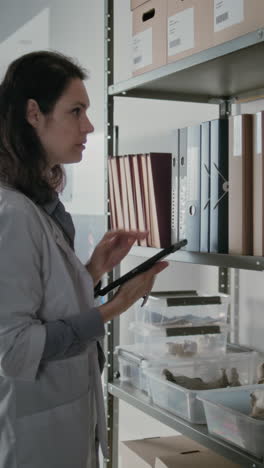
(227, 415)
(182, 401)
(183, 311)
(154, 341)
(131, 367)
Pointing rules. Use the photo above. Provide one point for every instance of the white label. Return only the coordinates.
(227, 13)
(192, 171)
(258, 133)
(142, 49)
(237, 134)
(181, 32)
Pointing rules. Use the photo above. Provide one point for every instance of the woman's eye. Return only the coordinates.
(76, 111)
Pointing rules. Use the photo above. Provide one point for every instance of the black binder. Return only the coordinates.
(205, 188)
(219, 186)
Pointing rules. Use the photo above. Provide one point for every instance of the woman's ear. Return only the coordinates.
(33, 113)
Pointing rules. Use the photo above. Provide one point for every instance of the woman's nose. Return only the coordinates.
(87, 126)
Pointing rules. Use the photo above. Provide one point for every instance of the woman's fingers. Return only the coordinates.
(121, 235)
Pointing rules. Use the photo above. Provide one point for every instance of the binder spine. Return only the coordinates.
(193, 194)
(182, 178)
(205, 187)
(175, 192)
(258, 184)
(219, 186)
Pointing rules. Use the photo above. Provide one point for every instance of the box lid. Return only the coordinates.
(143, 453)
(194, 459)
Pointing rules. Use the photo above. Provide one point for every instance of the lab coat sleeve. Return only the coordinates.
(69, 336)
(22, 335)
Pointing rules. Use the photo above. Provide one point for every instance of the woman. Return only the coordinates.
(51, 405)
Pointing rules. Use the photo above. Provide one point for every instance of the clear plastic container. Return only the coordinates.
(131, 367)
(227, 415)
(183, 402)
(154, 341)
(183, 311)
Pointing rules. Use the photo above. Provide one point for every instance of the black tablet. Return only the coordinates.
(142, 267)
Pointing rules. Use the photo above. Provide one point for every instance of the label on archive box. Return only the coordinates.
(227, 13)
(237, 135)
(181, 32)
(142, 49)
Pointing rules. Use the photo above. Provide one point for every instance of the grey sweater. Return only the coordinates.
(69, 336)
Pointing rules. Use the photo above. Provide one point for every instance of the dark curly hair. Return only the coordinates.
(43, 76)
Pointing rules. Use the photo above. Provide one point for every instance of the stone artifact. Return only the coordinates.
(234, 378)
(196, 383)
(260, 373)
(257, 403)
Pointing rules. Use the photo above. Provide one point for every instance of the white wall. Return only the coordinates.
(76, 29)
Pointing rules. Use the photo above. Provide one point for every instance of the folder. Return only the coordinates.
(205, 188)
(240, 185)
(258, 184)
(112, 208)
(175, 190)
(114, 160)
(190, 197)
(130, 192)
(219, 186)
(124, 197)
(159, 177)
(146, 196)
(139, 195)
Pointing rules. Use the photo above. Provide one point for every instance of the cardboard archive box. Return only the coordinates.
(189, 27)
(149, 41)
(194, 459)
(169, 452)
(234, 18)
(136, 3)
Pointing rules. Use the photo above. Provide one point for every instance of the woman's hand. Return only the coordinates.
(130, 292)
(113, 247)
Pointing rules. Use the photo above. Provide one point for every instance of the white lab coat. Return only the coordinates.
(48, 412)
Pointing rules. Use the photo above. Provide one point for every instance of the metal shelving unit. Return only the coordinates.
(197, 432)
(245, 262)
(231, 72)
(214, 75)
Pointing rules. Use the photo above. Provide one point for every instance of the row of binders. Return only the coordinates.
(210, 191)
(140, 195)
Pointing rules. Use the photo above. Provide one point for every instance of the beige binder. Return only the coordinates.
(112, 208)
(240, 185)
(146, 196)
(258, 184)
(117, 191)
(130, 193)
(124, 197)
(139, 195)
